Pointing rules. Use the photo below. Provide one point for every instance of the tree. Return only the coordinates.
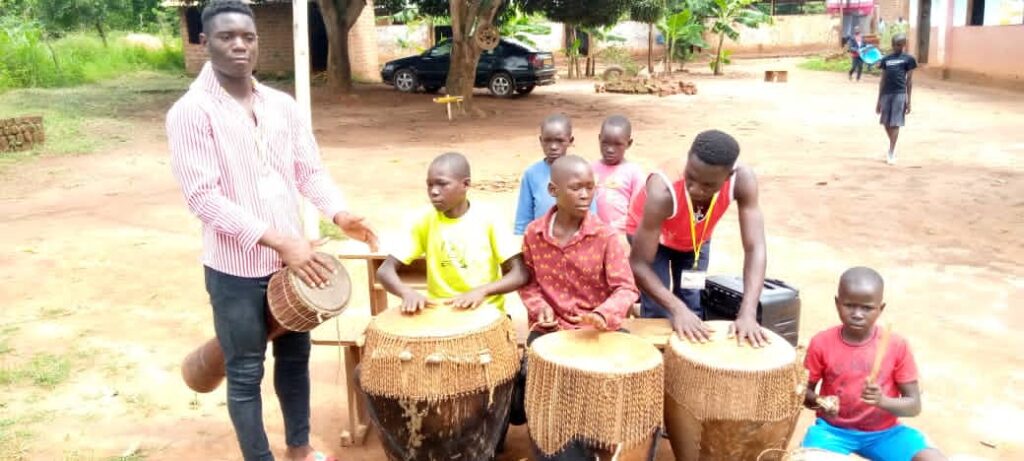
(60, 15)
(648, 12)
(339, 17)
(682, 29)
(578, 13)
(468, 19)
(725, 17)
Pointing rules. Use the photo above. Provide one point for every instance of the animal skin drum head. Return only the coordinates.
(436, 321)
(599, 352)
(331, 299)
(723, 353)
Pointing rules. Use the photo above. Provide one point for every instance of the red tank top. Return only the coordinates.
(675, 231)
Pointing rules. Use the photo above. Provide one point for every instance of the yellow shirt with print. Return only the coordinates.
(461, 254)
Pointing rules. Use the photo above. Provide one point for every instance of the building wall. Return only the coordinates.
(788, 34)
(891, 10)
(274, 24)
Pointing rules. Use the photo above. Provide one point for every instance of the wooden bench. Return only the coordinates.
(351, 330)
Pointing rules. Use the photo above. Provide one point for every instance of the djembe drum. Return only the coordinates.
(438, 384)
(592, 393)
(725, 402)
(293, 306)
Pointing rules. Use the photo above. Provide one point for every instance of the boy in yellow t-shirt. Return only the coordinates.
(471, 260)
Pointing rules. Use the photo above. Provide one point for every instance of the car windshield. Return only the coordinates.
(441, 50)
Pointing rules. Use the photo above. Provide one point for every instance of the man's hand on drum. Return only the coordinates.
(546, 321)
(746, 328)
(357, 228)
(413, 302)
(687, 325)
(300, 255)
(468, 300)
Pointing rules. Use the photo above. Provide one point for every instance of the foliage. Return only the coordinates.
(63, 16)
(519, 25)
(29, 59)
(619, 56)
(725, 16)
(587, 13)
(647, 11)
(682, 30)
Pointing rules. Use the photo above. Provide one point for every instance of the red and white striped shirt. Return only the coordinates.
(241, 177)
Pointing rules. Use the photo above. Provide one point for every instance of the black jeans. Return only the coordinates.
(856, 66)
(669, 265)
(240, 319)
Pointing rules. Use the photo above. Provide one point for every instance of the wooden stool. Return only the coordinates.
(447, 101)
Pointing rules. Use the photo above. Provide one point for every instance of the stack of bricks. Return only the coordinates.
(21, 133)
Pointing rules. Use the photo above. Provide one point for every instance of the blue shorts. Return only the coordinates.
(898, 443)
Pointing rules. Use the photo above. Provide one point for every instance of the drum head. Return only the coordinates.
(600, 352)
(723, 353)
(331, 299)
(435, 322)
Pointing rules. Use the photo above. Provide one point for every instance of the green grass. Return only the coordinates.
(30, 59)
(42, 370)
(833, 64)
(87, 118)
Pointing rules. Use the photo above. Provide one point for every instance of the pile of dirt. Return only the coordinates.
(661, 86)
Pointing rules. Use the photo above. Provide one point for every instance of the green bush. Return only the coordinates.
(29, 59)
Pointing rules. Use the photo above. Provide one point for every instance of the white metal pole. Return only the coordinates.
(300, 37)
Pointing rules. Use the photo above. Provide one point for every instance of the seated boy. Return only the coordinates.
(581, 274)
(471, 260)
(534, 200)
(842, 358)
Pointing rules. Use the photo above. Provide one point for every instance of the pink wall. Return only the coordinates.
(988, 51)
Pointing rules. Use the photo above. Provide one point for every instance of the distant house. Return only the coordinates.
(274, 24)
(983, 41)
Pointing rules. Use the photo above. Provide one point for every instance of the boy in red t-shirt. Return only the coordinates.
(841, 358)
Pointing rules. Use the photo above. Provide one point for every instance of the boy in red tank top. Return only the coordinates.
(671, 222)
(873, 391)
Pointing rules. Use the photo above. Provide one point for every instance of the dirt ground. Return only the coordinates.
(99, 255)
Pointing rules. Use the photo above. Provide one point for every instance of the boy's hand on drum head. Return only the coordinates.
(413, 302)
(546, 320)
(746, 328)
(595, 320)
(468, 300)
(688, 326)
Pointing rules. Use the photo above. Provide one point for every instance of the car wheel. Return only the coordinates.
(526, 90)
(406, 81)
(431, 88)
(502, 85)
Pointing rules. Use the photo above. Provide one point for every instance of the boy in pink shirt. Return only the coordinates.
(618, 181)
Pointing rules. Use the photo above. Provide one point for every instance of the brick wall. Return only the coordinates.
(274, 24)
(21, 133)
(891, 10)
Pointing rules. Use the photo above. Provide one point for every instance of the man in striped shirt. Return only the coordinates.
(242, 154)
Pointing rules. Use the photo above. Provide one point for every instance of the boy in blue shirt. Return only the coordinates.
(534, 198)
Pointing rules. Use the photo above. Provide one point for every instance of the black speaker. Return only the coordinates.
(778, 309)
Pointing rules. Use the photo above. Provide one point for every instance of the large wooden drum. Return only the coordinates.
(725, 402)
(596, 394)
(439, 383)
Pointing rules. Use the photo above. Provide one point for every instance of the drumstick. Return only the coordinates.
(880, 353)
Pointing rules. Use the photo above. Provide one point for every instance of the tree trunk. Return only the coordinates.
(103, 34)
(718, 54)
(467, 18)
(338, 23)
(650, 48)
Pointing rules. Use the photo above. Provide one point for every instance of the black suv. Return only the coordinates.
(511, 67)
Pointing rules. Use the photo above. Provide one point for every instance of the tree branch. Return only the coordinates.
(352, 12)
